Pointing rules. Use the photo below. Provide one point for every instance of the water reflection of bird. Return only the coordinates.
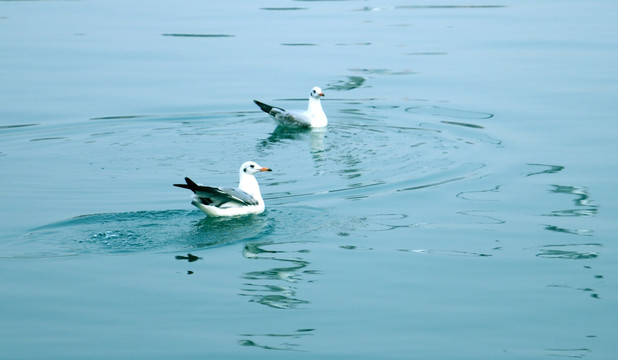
(313, 117)
(219, 201)
(190, 257)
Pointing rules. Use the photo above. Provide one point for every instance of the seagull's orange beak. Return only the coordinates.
(265, 169)
(321, 94)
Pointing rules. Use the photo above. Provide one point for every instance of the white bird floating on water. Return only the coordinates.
(313, 117)
(217, 201)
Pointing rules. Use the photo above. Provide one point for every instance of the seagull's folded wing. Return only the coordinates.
(296, 118)
(216, 196)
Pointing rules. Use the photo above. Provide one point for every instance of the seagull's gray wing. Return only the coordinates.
(216, 196)
(293, 118)
(285, 118)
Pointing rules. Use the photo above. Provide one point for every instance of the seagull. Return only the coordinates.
(218, 201)
(313, 117)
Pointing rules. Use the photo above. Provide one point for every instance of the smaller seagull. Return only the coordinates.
(313, 117)
(218, 201)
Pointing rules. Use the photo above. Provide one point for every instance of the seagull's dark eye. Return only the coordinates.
(252, 166)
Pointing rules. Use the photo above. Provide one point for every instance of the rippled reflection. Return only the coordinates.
(278, 341)
(283, 134)
(584, 232)
(582, 199)
(275, 287)
(568, 251)
(550, 169)
(351, 83)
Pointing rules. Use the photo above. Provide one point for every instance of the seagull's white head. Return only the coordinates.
(316, 93)
(251, 167)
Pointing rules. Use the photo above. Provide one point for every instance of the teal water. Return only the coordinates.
(461, 203)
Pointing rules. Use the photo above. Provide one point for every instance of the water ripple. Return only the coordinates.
(140, 231)
(167, 230)
(448, 112)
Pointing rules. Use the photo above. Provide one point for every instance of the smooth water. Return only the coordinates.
(461, 203)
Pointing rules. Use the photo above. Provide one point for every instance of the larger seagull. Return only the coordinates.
(219, 201)
(313, 117)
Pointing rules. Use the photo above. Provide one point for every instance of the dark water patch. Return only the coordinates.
(199, 35)
(354, 44)
(283, 8)
(426, 53)
(354, 247)
(121, 117)
(15, 126)
(369, 8)
(103, 133)
(458, 123)
(298, 44)
(49, 138)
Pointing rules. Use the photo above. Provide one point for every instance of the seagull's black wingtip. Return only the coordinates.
(191, 185)
(265, 107)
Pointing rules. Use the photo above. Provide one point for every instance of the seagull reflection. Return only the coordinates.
(315, 136)
(273, 287)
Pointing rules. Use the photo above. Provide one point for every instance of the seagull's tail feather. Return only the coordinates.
(270, 110)
(265, 107)
(191, 185)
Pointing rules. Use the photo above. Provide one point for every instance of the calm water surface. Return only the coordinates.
(460, 205)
